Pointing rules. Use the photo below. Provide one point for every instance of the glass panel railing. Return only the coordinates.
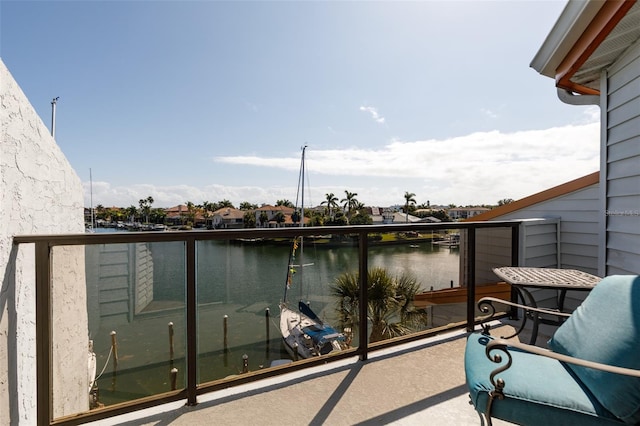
(493, 248)
(407, 270)
(133, 313)
(130, 324)
(239, 285)
(247, 291)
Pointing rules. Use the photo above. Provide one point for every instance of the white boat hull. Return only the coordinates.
(295, 326)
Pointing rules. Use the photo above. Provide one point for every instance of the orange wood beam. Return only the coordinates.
(545, 195)
(605, 20)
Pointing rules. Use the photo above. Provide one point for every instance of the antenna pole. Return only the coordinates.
(53, 116)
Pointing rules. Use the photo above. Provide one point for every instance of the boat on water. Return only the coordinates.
(305, 335)
(452, 240)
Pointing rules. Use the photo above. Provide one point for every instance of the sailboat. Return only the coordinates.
(305, 335)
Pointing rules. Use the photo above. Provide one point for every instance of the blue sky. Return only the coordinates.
(210, 100)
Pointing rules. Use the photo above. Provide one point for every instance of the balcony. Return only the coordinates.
(181, 353)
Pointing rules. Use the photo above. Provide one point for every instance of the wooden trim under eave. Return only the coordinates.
(606, 20)
(545, 195)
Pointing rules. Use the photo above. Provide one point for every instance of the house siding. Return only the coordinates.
(538, 248)
(622, 164)
(578, 217)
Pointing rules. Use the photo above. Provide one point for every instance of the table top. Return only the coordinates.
(570, 279)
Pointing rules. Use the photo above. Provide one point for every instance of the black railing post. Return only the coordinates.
(471, 278)
(363, 270)
(43, 334)
(515, 261)
(192, 335)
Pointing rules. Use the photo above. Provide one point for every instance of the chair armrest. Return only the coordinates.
(485, 305)
(504, 345)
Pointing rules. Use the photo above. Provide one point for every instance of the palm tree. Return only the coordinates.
(349, 202)
(225, 203)
(295, 217)
(145, 207)
(249, 219)
(100, 212)
(410, 200)
(331, 202)
(191, 213)
(245, 205)
(132, 211)
(208, 206)
(279, 218)
(390, 307)
(158, 215)
(284, 203)
(264, 218)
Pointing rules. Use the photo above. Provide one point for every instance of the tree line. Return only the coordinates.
(332, 211)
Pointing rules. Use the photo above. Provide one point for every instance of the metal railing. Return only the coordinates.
(43, 253)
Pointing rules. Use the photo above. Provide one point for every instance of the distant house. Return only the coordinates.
(380, 215)
(385, 215)
(227, 218)
(461, 213)
(180, 215)
(271, 213)
(176, 215)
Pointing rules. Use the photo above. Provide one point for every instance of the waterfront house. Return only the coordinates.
(176, 215)
(270, 212)
(227, 218)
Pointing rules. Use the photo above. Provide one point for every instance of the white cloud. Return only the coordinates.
(478, 168)
(374, 113)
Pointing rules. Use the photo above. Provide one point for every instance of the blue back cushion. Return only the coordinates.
(605, 328)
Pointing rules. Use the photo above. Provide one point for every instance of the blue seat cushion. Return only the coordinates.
(538, 390)
(605, 328)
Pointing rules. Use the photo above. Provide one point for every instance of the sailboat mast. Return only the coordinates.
(302, 188)
(302, 171)
(91, 199)
(300, 193)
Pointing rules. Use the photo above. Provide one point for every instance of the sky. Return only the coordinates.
(212, 100)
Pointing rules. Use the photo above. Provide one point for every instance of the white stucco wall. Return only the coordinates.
(39, 194)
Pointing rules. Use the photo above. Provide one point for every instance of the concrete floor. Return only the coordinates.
(417, 383)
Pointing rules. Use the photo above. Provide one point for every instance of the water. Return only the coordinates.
(240, 281)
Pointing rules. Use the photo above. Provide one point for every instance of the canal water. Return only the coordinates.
(246, 273)
(238, 284)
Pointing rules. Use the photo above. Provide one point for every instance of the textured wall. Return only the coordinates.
(39, 194)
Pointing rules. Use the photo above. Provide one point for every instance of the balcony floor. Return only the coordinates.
(418, 383)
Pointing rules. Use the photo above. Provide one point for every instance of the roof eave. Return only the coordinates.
(573, 21)
(581, 28)
(540, 197)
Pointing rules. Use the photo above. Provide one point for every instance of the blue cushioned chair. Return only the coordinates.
(589, 376)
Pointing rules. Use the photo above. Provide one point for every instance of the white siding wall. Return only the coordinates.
(622, 164)
(39, 194)
(538, 248)
(578, 214)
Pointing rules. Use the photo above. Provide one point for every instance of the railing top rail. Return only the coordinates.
(229, 234)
